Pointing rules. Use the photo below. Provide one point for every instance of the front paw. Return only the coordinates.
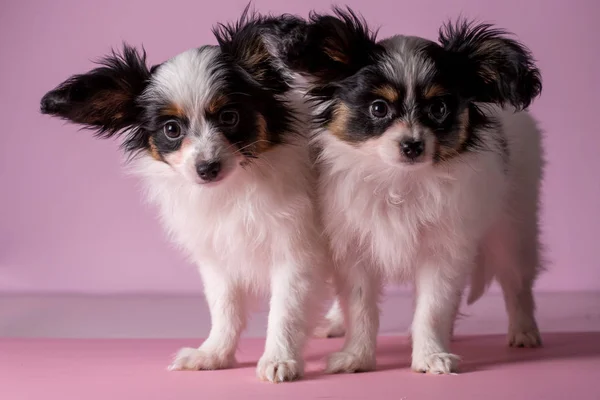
(198, 359)
(529, 338)
(347, 362)
(276, 370)
(436, 363)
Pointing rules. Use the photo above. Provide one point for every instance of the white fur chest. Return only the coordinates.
(241, 227)
(393, 219)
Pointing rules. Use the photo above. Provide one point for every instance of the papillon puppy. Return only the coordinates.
(218, 139)
(423, 177)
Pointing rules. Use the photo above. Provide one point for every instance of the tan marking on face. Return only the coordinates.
(217, 103)
(339, 122)
(262, 135)
(434, 91)
(464, 125)
(176, 157)
(388, 92)
(173, 110)
(153, 149)
(447, 152)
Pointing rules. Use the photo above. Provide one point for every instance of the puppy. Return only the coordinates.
(215, 135)
(424, 178)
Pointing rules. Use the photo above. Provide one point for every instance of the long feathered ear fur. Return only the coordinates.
(332, 47)
(496, 69)
(104, 99)
(246, 44)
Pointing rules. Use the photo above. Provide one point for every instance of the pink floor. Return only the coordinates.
(568, 367)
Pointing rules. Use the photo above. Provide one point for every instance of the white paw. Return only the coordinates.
(347, 362)
(273, 370)
(524, 338)
(197, 359)
(436, 363)
(330, 329)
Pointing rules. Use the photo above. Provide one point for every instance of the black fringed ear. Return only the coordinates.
(494, 68)
(244, 43)
(333, 47)
(104, 99)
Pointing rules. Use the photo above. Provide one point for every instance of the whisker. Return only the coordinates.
(266, 162)
(252, 144)
(232, 145)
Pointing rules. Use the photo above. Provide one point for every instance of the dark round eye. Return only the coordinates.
(379, 109)
(438, 110)
(172, 130)
(229, 117)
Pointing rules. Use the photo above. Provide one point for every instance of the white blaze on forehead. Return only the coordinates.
(406, 65)
(189, 80)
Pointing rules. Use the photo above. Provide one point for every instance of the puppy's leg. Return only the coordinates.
(438, 290)
(333, 324)
(514, 254)
(522, 327)
(294, 294)
(228, 316)
(456, 314)
(358, 297)
(516, 278)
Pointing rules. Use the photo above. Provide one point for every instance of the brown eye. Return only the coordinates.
(438, 110)
(229, 118)
(172, 130)
(379, 109)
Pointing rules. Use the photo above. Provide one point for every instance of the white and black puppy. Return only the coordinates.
(216, 137)
(423, 177)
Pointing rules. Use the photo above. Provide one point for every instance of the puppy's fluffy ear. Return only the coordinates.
(333, 47)
(496, 69)
(104, 99)
(244, 43)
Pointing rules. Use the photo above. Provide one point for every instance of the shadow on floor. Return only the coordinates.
(478, 352)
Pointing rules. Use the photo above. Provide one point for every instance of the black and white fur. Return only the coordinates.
(424, 178)
(216, 136)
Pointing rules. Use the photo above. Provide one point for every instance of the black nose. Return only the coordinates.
(208, 171)
(412, 148)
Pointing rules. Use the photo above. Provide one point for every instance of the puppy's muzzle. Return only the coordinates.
(411, 148)
(209, 171)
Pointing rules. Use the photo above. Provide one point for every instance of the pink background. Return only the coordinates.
(71, 221)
